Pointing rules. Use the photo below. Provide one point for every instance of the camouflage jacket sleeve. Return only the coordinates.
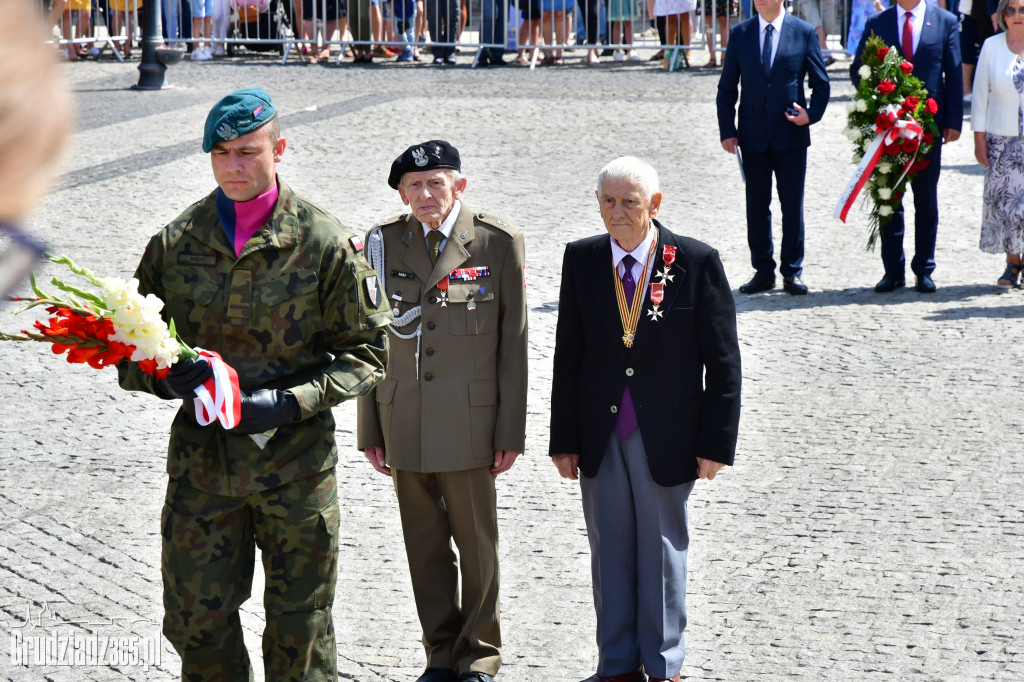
(355, 321)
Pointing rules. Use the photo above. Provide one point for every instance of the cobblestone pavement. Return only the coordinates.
(872, 528)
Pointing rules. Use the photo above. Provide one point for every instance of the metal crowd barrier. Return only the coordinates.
(533, 31)
(86, 28)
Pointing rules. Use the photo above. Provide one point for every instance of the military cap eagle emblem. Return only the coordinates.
(226, 132)
(419, 157)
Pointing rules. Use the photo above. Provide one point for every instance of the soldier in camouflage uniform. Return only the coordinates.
(280, 289)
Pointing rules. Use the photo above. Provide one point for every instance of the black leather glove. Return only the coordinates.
(183, 378)
(267, 409)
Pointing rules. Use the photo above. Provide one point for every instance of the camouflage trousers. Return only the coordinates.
(209, 548)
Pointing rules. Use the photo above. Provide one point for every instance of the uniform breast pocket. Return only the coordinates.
(288, 306)
(190, 295)
(402, 295)
(472, 307)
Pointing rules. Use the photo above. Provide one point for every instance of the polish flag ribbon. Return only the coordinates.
(889, 131)
(219, 397)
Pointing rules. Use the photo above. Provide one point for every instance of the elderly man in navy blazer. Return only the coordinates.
(645, 399)
(765, 65)
(928, 37)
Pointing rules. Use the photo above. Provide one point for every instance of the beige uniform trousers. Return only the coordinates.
(460, 634)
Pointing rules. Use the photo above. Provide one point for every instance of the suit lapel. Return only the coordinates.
(648, 329)
(930, 29)
(414, 255)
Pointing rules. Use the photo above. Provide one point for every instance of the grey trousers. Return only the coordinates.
(638, 543)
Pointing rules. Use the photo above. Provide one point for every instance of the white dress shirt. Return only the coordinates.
(917, 21)
(776, 27)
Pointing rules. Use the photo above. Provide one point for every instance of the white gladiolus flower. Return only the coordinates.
(883, 168)
(862, 105)
(854, 134)
(137, 322)
(884, 210)
(851, 106)
(867, 143)
(864, 71)
(857, 158)
(885, 194)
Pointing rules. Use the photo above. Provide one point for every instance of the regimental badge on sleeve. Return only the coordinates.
(373, 292)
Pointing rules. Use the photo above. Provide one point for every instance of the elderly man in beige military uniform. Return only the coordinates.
(451, 412)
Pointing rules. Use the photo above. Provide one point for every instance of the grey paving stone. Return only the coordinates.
(871, 528)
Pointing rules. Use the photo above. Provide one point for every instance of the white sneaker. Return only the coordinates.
(617, 56)
(201, 55)
(634, 56)
(219, 51)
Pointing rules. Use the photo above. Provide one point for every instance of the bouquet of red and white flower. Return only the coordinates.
(891, 122)
(116, 323)
(105, 327)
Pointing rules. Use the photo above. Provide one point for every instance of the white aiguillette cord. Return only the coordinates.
(375, 254)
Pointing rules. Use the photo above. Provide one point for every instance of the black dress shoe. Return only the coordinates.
(450, 59)
(794, 285)
(475, 677)
(925, 285)
(439, 60)
(890, 282)
(761, 281)
(438, 675)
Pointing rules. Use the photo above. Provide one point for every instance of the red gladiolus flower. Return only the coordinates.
(929, 138)
(931, 107)
(910, 146)
(919, 166)
(886, 87)
(892, 149)
(881, 53)
(911, 103)
(906, 67)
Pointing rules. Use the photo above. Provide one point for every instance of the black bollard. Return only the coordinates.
(151, 70)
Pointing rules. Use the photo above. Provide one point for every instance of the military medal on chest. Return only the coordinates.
(629, 314)
(668, 255)
(443, 286)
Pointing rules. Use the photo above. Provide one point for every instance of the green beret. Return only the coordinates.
(424, 157)
(237, 114)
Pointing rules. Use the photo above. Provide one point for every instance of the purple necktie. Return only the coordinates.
(626, 422)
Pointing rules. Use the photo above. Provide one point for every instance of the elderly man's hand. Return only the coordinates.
(707, 468)
(729, 144)
(568, 465)
(503, 461)
(950, 135)
(376, 458)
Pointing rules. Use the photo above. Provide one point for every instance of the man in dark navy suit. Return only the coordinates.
(765, 64)
(645, 399)
(928, 37)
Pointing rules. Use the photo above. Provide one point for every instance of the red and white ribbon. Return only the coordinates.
(886, 135)
(218, 398)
